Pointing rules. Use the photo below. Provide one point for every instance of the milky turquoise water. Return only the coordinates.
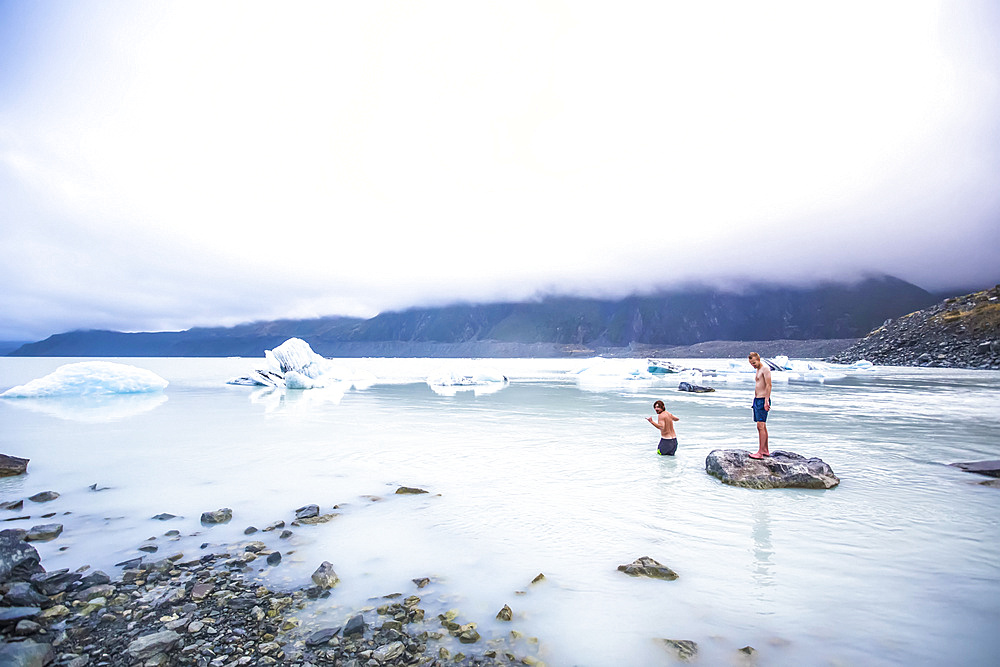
(900, 564)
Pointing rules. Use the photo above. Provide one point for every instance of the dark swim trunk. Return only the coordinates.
(759, 413)
(667, 447)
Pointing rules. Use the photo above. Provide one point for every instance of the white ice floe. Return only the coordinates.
(481, 381)
(90, 378)
(627, 375)
(294, 365)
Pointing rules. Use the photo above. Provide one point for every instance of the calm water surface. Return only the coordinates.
(897, 565)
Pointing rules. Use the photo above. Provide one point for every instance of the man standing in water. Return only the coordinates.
(665, 423)
(761, 402)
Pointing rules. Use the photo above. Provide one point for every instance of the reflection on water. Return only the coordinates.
(897, 565)
(762, 549)
(92, 408)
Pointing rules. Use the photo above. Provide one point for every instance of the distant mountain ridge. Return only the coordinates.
(679, 317)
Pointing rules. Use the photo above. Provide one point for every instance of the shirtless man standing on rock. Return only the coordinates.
(761, 402)
(665, 424)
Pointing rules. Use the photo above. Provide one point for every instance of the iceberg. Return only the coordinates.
(294, 365)
(90, 378)
(482, 381)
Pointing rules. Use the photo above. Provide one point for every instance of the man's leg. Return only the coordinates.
(762, 436)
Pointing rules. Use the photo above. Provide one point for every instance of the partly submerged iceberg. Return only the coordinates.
(294, 365)
(481, 381)
(90, 378)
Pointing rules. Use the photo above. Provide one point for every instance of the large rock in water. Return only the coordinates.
(12, 465)
(778, 471)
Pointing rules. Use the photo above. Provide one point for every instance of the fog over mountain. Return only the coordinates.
(576, 324)
(172, 165)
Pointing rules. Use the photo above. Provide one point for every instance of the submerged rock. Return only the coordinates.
(12, 465)
(780, 470)
(647, 567)
(684, 650)
(409, 490)
(44, 496)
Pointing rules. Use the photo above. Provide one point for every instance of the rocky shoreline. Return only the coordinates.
(960, 332)
(215, 609)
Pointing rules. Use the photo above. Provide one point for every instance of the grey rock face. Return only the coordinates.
(780, 470)
(44, 496)
(12, 465)
(18, 559)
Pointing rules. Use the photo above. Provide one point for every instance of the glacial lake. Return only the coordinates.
(552, 474)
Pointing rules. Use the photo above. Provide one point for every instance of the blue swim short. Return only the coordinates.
(759, 413)
(667, 446)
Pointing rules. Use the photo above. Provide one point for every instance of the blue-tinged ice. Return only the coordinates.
(90, 378)
(294, 365)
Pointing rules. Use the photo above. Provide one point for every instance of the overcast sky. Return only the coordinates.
(173, 164)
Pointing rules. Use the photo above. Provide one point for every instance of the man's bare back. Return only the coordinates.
(665, 424)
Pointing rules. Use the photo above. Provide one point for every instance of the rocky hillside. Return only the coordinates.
(960, 332)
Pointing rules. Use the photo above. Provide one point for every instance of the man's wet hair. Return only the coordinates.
(659, 404)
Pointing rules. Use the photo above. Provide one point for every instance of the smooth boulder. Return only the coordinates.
(223, 515)
(779, 471)
(12, 465)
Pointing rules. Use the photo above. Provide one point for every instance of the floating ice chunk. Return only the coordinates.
(814, 371)
(483, 380)
(294, 365)
(90, 378)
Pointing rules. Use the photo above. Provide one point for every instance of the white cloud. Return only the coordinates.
(247, 160)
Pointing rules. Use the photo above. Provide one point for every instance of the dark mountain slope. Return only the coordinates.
(667, 318)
